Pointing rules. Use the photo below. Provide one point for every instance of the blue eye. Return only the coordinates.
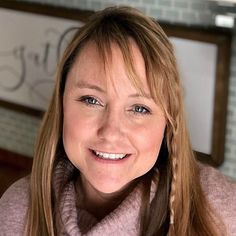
(139, 109)
(90, 101)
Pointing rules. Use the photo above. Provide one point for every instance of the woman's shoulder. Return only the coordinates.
(213, 180)
(13, 207)
(221, 194)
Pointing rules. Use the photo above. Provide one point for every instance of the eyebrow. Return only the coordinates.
(136, 95)
(85, 85)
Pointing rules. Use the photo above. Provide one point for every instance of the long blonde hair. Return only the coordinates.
(179, 206)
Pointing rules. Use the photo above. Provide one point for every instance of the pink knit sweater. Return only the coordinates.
(123, 221)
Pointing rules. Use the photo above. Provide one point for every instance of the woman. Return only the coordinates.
(113, 156)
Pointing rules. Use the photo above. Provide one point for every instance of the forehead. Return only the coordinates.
(110, 64)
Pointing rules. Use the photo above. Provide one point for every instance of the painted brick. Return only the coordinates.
(190, 17)
(157, 13)
(132, 1)
(166, 3)
(108, 4)
(96, 5)
(181, 5)
(172, 15)
(83, 4)
(199, 6)
(232, 123)
(206, 18)
(213, 7)
(225, 169)
(196, 0)
(232, 161)
(232, 93)
(149, 2)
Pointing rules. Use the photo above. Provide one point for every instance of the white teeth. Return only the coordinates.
(110, 156)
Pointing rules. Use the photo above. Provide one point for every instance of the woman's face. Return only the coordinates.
(111, 132)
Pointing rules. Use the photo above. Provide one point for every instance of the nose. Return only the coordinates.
(111, 126)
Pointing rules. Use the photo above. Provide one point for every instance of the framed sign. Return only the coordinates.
(33, 35)
(203, 56)
(30, 47)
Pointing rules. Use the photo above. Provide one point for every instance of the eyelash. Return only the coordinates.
(146, 110)
(85, 100)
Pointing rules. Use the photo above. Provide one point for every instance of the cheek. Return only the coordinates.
(70, 128)
(70, 137)
(75, 133)
(150, 135)
(148, 144)
(76, 124)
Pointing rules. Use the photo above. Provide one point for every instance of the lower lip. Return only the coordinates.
(109, 161)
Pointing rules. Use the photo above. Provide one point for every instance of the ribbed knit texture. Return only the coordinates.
(123, 221)
(116, 223)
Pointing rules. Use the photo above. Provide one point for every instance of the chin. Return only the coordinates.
(111, 187)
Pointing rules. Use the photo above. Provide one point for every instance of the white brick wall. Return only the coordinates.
(18, 131)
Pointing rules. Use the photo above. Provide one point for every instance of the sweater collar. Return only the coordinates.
(124, 220)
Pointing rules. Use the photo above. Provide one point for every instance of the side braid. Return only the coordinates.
(173, 150)
(173, 182)
(173, 188)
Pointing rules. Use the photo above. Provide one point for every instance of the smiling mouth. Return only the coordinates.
(109, 156)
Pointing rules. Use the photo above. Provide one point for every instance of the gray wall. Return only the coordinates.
(20, 130)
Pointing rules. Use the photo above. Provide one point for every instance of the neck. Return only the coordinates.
(97, 203)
